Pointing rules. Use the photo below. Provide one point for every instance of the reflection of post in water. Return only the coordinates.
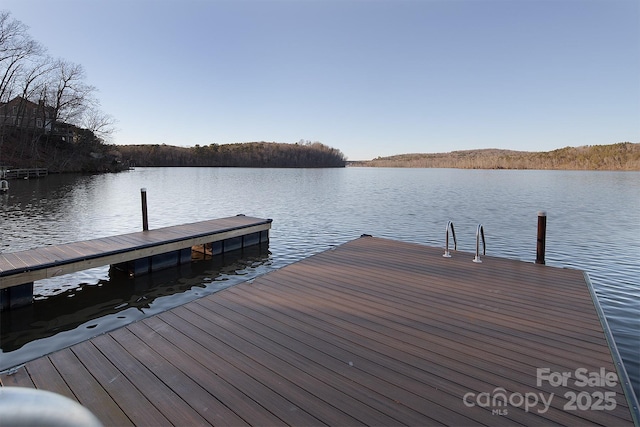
(68, 310)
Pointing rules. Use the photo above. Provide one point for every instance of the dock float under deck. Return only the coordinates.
(138, 252)
(372, 332)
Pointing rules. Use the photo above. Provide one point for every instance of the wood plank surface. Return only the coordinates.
(373, 332)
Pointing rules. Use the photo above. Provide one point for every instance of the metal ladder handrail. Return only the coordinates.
(455, 243)
(480, 232)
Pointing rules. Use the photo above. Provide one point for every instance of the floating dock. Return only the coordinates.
(374, 331)
(136, 253)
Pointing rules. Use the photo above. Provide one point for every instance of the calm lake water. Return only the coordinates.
(593, 224)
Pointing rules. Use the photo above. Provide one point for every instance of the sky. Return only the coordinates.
(368, 77)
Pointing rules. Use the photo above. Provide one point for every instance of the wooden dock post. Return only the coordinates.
(542, 236)
(145, 220)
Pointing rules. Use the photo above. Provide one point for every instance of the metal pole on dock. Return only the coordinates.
(542, 236)
(145, 220)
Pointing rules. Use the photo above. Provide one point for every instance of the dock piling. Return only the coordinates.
(542, 236)
(145, 220)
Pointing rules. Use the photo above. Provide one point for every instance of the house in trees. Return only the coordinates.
(24, 114)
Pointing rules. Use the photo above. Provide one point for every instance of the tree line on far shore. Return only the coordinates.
(303, 154)
(621, 156)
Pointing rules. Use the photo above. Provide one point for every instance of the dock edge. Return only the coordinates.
(625, 382)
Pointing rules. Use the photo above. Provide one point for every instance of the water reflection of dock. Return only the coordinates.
(88, 309)
(372, 332)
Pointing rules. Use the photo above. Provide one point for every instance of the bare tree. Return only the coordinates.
(34, 77)
(67, 92)
(101, 124)
(25, 71)
(45, 101)
(16, 47)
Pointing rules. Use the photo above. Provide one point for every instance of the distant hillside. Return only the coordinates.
(621, 156)
(20, 148)
(249, 154)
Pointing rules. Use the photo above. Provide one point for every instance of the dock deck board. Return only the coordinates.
(374, 331)
(48, 261)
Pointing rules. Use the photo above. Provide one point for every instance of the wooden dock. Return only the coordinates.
(138, 252)
(24, 173)
(373, 332)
